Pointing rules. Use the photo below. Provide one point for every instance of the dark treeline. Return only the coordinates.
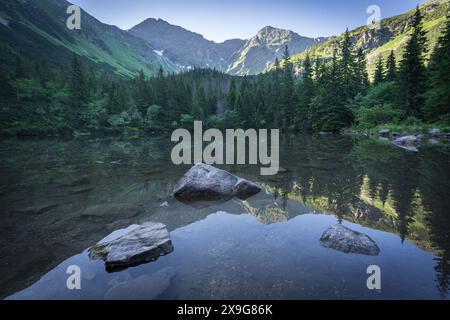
(328, 96)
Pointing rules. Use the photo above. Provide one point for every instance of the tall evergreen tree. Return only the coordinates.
(78, 85)
(360, 72)
(317, 65)
(160, 88)
(412, 69)
(437, 105)
(200, 104)
(378, 76)
(286, 56)
(117, 98)
(287, 91)
(232, 94)
(345, 69)
(328, 108)
(276, 64)
(305, 96)
(391, 67)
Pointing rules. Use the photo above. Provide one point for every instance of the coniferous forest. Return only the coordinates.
(328, 95)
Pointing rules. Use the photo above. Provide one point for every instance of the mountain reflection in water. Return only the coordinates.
(60, 197)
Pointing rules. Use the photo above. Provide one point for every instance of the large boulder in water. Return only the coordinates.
(133, 246)
(207, 183)
(343, 239)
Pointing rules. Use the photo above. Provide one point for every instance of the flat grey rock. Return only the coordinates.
(133, 246)
(207, 183)
(346, 240)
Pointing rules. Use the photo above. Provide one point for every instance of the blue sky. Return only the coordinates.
(220, 20)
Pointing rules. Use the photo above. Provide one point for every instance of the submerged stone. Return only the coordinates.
(113, 210)
(38, 209)
(346, 240)
(207, 183)
(133, 246)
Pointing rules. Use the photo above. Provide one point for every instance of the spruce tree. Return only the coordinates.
(391, 67)
(345, 68)
(287, 91)
(78, 85)
(412, 69)
(232, 93)
(200, 104)
(437, 106)
(141, 92)
(360, 72)
(276, 64)
(305, 96)
(328, 108)
(117, 98)
(317, 65)
(378, 76)
(286, 56)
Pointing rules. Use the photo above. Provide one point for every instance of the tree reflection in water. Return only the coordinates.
(376, 185)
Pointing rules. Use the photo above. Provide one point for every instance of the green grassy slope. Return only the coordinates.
(36, 30)
(392, 36)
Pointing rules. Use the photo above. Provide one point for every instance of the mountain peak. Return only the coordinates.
(267, 45)
(267, 28)
(270, 29)
(152, 22)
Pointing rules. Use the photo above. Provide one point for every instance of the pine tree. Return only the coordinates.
(160, 72)
(78, 85)
(286, 56)
(287, 91)
(305, 96)
(345, 69)
(437, 105)
(232, 93)
(391, 67)
(141, 94)
(200, 103)
(412, 69)
(276, 65)
(160, 88)
(317, 65)
(117, 98)
(328, 108)
(360, 72)
(378, 76)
